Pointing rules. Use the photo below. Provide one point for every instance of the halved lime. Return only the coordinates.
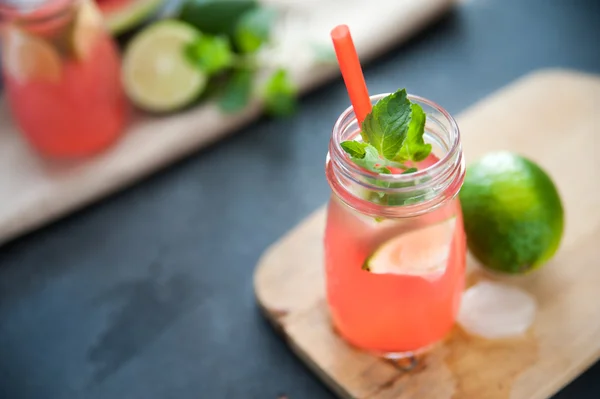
(29, 58)
(156, 73)
(422, 252)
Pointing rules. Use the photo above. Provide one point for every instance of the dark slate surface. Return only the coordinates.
(148, 294)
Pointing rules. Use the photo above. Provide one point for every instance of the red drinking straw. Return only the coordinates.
(351, 71)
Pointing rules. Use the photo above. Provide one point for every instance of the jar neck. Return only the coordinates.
(437, 181)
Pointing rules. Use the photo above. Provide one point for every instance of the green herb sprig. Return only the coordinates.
(230, 59)
(392, 135)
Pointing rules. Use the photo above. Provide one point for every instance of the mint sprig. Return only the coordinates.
(392, 134)
(231, 59)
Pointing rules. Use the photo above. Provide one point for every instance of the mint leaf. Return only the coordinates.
(355, 149)
(386, 126)
(366, 156)
(371, 160)
(280, 94)
(213, 17)
(410, 170)
(254, 29)
(211, 54)
(414, 147)
(237, 91)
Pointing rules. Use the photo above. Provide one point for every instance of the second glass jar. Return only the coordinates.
(62, 75)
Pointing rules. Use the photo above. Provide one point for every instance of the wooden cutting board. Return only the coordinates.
(35, 192)
(552, 117)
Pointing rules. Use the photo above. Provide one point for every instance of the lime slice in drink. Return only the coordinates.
(28, 58)
(422, 252)
(156, 74)
(513, 213)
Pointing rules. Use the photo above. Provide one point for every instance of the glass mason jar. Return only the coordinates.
(395, 248)
(61, 73)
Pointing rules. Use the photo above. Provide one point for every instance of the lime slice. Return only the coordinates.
(87, 27)
(156, 74)
(30, 58)
(423, 252)
(513, 213)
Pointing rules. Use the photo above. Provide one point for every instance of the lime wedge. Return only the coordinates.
(156, 74)
(423, 252)
(28, 58)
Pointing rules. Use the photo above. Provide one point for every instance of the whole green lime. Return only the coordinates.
(512, 211)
